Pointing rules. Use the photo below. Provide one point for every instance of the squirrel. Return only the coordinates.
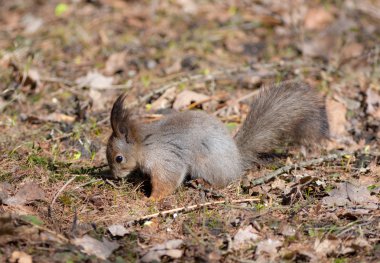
(195, 144)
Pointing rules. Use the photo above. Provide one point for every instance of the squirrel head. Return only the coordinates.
(121, 147)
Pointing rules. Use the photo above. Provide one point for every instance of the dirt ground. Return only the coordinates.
(63, 63)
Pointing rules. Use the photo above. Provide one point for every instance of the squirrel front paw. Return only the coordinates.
(160, 188)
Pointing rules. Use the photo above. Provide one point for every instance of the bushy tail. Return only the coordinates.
(289, 111)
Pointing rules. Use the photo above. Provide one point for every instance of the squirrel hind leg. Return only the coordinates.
(164, 182)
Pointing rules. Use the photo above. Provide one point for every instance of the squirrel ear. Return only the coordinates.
(120, 118)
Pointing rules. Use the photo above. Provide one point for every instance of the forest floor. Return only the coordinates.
(63, 63)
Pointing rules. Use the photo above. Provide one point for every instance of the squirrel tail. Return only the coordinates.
(286, 112)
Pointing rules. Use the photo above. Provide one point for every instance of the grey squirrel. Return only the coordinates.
(195, 144)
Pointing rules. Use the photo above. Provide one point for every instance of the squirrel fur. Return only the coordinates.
(198, 145)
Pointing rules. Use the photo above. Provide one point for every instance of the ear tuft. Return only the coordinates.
(120, 117)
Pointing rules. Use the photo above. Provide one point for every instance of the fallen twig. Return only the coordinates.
(187, 209)
(75, 85)
(61, 190)
(245, 97)
(88, 183)
(288, 168)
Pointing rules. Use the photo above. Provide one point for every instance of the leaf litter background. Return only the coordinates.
(64, 63)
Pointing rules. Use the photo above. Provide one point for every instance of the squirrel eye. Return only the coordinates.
(119, 159)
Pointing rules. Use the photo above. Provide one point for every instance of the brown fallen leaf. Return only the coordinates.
(189, 6)
(350, 194)
(59, 117)
(278, 184)
(101, 249)
(233, 42)
(327, 43)
(187, 97)
(331, 247)
(174, 68)
(164, 101)
(115, 63)
(20, 257)
(318, 18)
(94, 80)
(373, 103)
(5, 189)
(244, 236)
(326, 247)
(53, 117)
(269, 246)
(287, 230)
(352, 50)
(118, 230)
(31, 23)
(295, 249)
(336, 113)
(169, 248)
(27, 193)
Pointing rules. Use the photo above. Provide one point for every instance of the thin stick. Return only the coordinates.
(61, 190)
(195, 104)
(245, 97)
(73, 84)
(88, 183)
(266, 178)
(187, 209)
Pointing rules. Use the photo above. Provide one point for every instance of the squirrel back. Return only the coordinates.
(286, 112)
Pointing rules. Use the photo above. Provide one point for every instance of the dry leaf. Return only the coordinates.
(278, 184)
(359, 242)
(20, 257)
(243, 236)
(234, 45)
(118, 230)
(99, 99)
(269, 246)
(318, 18)
(5, 189)
(53, 117)
(336, 113)
(59, 117)
(31, 23)
(164, 101)
(349, 194)
(322, 46)
(27, 193)
(174, 68)
(326, 247)
(373, 103)
(95, 247)
(169, 248)
(302, 249)
(32, 78)
(95, 80)
(189, 6)
(332, 247)
(115, 63)
(187, 97)
(327, 43)
(287, 230)
(352, 50)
